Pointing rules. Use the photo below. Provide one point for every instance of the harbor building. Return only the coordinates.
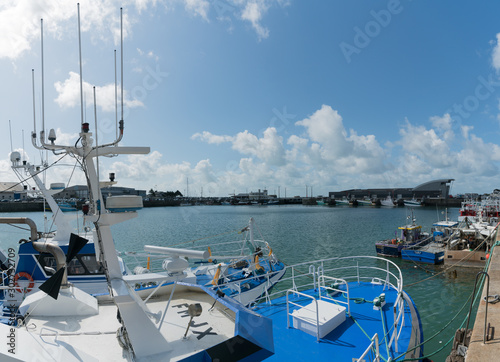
(436, 189)
(81, 192)
(10, 191)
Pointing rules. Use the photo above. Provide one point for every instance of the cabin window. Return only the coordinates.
(80, 265)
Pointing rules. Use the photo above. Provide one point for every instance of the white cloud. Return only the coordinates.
(198, 7)
(332, 145)
(495, 56)
(253, 12)
(211, 138)
(20, 22)
(426, 145)
(69, 94)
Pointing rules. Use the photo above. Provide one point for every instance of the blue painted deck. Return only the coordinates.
(347, 341)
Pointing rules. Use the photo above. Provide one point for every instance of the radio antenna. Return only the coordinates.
(80, 54)
(42, 133)
(116, 101)
(34, 110)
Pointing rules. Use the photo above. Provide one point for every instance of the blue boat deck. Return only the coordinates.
(351, 338)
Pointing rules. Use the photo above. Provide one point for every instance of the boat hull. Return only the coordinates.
(423, 256)
(386, 249)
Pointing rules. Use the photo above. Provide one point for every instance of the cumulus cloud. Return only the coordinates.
(69, 94)
(345, 152)
(253, 12)
(427, 145)
(20, 21)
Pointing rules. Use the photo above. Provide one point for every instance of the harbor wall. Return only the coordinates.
(21, 206)
(489, 351)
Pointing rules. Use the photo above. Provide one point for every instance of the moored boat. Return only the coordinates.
(342, 201)
(406, 236)
(388, 202)
(412, 203)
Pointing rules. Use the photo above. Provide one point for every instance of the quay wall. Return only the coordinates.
(489, 351)
(21, 206)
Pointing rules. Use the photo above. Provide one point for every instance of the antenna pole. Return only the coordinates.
(80, 53)
(116, 101)
(42, 133)
(10, 131)
(34, 111)
(96, 138)
(121, 60)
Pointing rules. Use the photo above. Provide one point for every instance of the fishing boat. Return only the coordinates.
(432, 252)
(470, 245)
(365, 202)
(387, 202)
(406, 236)
(244, 269)
(342, 201)
(342, 309)
(412, 203)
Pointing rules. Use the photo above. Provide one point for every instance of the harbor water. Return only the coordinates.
(299, 233)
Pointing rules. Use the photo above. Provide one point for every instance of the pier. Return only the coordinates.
(479, 351)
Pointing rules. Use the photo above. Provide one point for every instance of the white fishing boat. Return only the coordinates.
(387, 202)
(342, 201)
(412, 203)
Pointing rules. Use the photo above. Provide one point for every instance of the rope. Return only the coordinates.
(451, 266)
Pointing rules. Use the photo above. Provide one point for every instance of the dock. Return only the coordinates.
(489, 351)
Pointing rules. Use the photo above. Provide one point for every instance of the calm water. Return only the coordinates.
(302, 233)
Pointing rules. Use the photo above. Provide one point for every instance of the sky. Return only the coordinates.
(234, 96)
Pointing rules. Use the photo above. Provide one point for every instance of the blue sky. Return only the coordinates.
(241, 95)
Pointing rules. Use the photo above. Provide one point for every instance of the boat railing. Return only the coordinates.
(334, 287)
(303, 275)
(374, 343)
(288, 302)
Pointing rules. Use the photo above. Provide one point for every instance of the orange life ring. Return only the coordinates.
(27, 276)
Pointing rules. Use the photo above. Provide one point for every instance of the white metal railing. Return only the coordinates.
(288, 302)
(373, 343)
(322, 286)
(298, 278)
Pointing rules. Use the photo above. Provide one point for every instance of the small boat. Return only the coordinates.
(412, 203)
(273, 202)
(433, 252)
(365, 202)
(406, 236)
(342, 201)
(321, 202)
(388, 202)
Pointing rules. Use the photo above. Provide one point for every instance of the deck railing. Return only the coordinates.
(312, 275)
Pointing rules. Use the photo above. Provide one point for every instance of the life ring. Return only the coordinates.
(27, 276)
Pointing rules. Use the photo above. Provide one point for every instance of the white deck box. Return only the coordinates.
(330, 317)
